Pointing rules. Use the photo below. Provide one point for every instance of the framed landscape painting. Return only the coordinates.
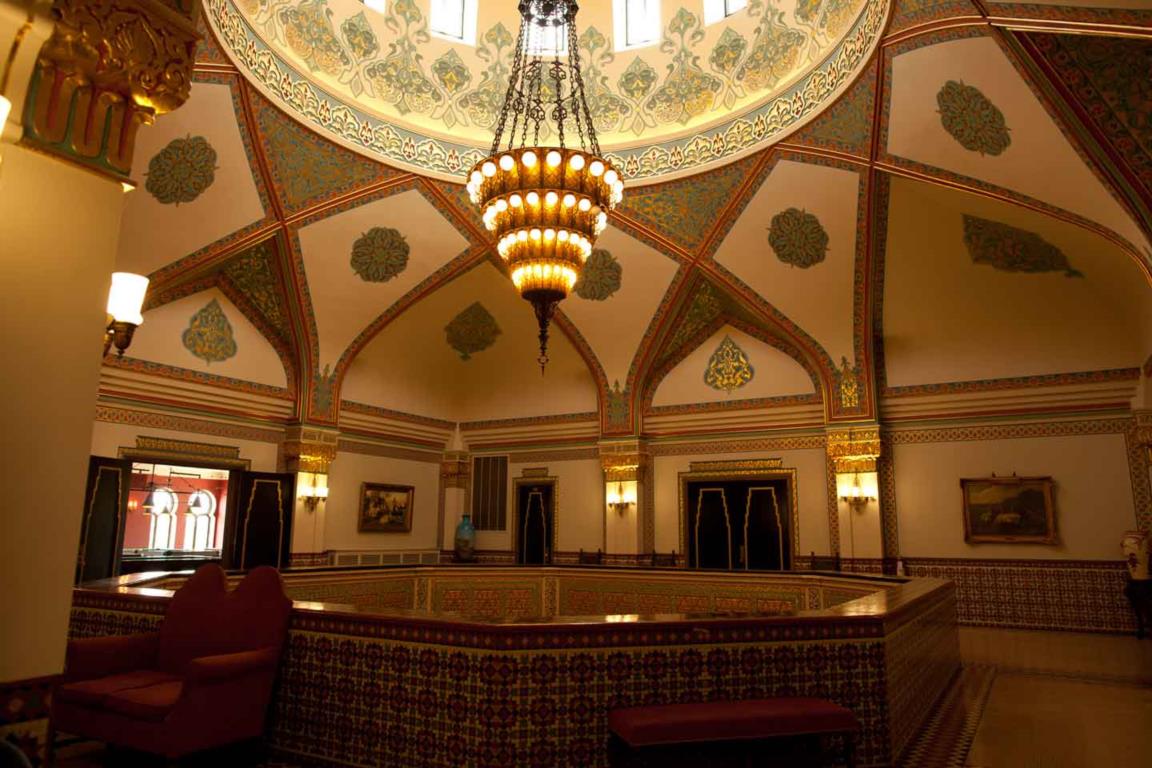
(1009, 509)
(385, 508)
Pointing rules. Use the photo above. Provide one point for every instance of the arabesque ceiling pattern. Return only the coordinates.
(1036, 146)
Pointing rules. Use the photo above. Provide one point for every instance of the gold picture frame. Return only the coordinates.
(1013, 510)
(385, 508)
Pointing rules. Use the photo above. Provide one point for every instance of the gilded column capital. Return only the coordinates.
(854, 449)
(456, 469)
(109, 67)
(623, 459)
(309, 449)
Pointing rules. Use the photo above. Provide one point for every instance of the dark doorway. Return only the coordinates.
(739, 524)
(534, 523)
(261, 528)
(102, 527)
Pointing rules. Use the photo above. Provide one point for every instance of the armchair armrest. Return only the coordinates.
(207, 669)
(92, 657)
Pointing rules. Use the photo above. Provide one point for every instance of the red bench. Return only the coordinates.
(662, 734)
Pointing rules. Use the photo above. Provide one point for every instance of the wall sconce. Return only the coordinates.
(622, 496)
(313, 488)
(854, 495)
(125, 300)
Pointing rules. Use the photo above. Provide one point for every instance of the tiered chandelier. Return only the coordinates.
(546, 205)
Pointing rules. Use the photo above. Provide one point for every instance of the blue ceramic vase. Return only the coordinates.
(465, 540)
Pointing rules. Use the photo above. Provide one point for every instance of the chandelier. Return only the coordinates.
(545, 203)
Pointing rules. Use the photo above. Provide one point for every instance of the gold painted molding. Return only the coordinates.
(109, 67)
(855, 449)
(456, 469)
(309, 449)
(623, 460)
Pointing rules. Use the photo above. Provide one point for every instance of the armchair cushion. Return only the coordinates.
(94, 693)
(91, 657)
(152, 702)
(231, 665)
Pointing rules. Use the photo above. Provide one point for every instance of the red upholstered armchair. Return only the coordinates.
(203, 680)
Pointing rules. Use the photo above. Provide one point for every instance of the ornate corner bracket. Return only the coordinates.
(109, 67)
(456, 469)
(624, 460)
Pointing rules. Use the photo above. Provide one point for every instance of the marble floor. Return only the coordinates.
(1025, 700)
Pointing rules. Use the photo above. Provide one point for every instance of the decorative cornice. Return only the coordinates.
(183, 424)
(1120, 426)
(309, 448)
(456, 470)
(109, 67)
(1015, 382)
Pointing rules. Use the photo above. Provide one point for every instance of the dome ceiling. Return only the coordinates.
(700, 94)
(955, 222)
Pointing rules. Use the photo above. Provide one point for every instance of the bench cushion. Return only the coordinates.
(729, 720)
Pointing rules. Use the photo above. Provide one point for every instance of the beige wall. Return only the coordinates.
(811, 495)
(349, 470)
(1093, 496)
(58, 232)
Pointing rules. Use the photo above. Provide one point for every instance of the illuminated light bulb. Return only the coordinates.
(551, 198)
(563, 235)
(602, 219)
(576, 162)
(585, 204)
(533, 199)
(549, 234)
(489, 169)
(596, 168)
(506, 162)
(534, 234)
(529, 159)
(501, 205)
(569, 200)
(522, 236)
(610, 177)
(554, 159)
(476, 178)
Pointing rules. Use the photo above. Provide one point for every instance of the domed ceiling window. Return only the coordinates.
(636, 23)
(718, 10)
(453, 20)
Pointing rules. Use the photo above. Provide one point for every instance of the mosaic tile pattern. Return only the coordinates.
(181, 171)
(1086, 595)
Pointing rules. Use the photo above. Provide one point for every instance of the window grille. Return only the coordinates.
(489, 493)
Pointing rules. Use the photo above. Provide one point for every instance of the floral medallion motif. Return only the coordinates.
(399, 78)
(1012, 249)
(181, 171)
(600, 277)
(728, 367)
(361, 39)
(309, 33)
(209, 334)
(379, 255)
(472, 331)
(688, 91)
(971, 119)
(798, 238)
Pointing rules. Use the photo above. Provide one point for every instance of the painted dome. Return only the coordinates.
(700, 94)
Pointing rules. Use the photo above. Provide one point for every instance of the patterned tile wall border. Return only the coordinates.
(367, 133)
(388, 413)
(560, 418)
(24, 707)
(758, 403)
(389, 451)
(783, 443)
(543, 456)
(116, 415)
(1017, 382)
(185, 374)
(1079, 595)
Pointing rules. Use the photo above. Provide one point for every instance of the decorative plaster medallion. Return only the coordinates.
(971, 119)
(600, 277)
(181, 171)
(728, 368)
(704, 95)
(209, 334)
(1012, 249)
(798, 238)
(379, 255)
(471, 331)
